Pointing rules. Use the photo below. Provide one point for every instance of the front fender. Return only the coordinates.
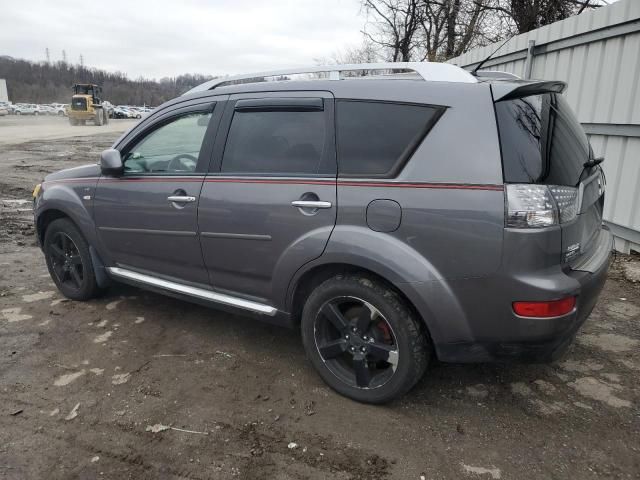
(74, 199)
(402, 266)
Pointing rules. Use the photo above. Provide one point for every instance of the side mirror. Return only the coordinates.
(111, 162)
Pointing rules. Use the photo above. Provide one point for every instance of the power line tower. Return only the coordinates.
(48, 54)
(64, 56)
(81, 61)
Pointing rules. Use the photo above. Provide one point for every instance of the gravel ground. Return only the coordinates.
(22, 128)
(136, 385)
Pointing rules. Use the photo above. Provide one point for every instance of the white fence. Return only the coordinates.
(598, 54)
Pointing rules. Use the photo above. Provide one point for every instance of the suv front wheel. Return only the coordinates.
(363, 339)
(69, 261)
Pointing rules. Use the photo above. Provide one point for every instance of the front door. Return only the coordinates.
(146, 219)
(269, 204)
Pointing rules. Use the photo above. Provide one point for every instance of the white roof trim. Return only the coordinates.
(429, 71)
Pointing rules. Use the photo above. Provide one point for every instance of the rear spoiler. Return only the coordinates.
(510, 90)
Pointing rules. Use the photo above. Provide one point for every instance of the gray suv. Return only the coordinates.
(413, 213)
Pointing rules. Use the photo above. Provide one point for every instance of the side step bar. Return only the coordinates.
(193, 291)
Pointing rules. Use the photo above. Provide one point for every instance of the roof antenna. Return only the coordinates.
(475, 70)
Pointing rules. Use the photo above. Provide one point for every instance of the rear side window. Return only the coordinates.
(541, 140)
(275, 142)
(376, 138)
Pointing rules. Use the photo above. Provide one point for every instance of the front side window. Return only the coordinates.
(275, 142)
(171, 148)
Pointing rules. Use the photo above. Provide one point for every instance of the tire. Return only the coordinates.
(35, 114)
(98, 118)
(395, 345)
(18, 112)
(61, 114)
(69, 261)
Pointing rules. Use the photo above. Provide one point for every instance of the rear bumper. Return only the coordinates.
(535, 339)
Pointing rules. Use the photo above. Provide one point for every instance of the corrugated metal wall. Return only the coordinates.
(598, 54)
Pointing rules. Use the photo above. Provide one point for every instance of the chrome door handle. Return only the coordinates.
(311, 204)
(181, 199)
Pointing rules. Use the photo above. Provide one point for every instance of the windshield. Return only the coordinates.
(541, 140)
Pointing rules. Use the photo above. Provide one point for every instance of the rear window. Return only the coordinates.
(278, 142)
(376, 138)
(541, 140)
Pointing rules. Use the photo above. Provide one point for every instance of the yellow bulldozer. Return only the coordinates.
(86, 105)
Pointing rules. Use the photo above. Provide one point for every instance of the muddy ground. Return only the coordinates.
(82, 385)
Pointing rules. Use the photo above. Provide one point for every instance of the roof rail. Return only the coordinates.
(430, 71)
(497, 75)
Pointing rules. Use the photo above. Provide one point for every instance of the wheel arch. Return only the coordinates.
(60, 200)
(429, 293)
(45, 219)
(310, 278)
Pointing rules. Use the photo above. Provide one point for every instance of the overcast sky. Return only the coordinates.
(166, 38)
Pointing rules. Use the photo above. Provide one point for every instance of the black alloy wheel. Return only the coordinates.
(363, 338)
(356, 342)
(66, 261)
(69, 260)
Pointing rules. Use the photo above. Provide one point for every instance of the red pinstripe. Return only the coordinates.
(295, 181)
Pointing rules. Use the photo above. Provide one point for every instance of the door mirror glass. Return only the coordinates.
(111, 162)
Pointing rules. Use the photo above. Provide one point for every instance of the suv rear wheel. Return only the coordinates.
(69, 261)
(363, 339)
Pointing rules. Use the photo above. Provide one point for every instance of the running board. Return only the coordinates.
(193, 291)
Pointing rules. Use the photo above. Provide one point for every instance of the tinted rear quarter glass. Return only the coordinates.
(541, 140)
(376, 138)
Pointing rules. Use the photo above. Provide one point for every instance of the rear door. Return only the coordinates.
(268, 204)
(543, 143)
(147, 219)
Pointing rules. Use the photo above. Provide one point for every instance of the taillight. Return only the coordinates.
(554, 308)
(535, 206)
(566, 200)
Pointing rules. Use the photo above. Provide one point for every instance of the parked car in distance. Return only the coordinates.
(26, 109)
(47, 110)
(349, 208)
(5, 108)
(108, 107)
(59, 109)
(122, 112)
(136, 112)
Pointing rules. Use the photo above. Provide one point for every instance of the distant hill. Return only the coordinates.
(42, 82)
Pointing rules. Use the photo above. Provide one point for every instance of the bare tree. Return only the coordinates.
(366, 52)
(527, 15)
(426, 29)
(436, 30)
(395, 26)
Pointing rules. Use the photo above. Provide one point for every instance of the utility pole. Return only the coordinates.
(46, 50)
(64, 56)
(81, 61)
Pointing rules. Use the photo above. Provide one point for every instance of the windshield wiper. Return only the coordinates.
(589, 164)
(593, 162)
